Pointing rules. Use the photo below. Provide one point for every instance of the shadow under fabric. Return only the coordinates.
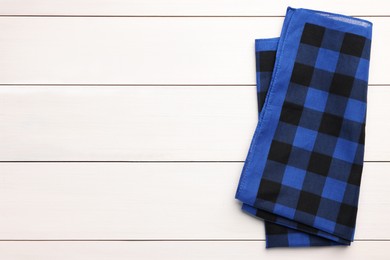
(303, 170)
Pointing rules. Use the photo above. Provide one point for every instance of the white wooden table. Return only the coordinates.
(124, 126)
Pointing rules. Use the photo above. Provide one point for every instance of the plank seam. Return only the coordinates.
(370, 161)
(148, 85)
(159, 16)
(137, 85)
(154, 240)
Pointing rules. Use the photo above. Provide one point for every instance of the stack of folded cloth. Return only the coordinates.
(303, 170)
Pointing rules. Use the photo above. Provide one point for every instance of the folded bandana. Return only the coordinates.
(303, 170)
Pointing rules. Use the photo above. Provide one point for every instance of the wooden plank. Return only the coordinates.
(172, 123)
(213, 250)
(188, 7)
(136, 50)
(149, 201)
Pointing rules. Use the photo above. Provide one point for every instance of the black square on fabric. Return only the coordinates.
(312, 34)
(353, 44)
(302, 74)
(279, 152)
(291, 113)
(268, 190)
(260, 99)
(325, 144)
(331, 124)
(314, 183)
(362, 136)
(274, 229)
(347, 215)
(267, 216)
(267, 61)
(336, 104)
(341, 85)
(308, 202)
(274, 171)
(319, 163)
(355, 174)
(307, 54)
(306, 228)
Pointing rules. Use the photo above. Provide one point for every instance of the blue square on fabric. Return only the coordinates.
(316, 99)
(347, 231)
(362, 69)
(298, 239)
(284, 211)
(274, 171)
(324, 223)
(359, 90)
(347, 64)
(296, 94)
(306, 54)
(321, 79)
(355, 110)
(285, 132)
(313, 183)
(299, 158)
(311, 119)
(327, 59)
(276, 240)
(325, 144)
(307, 217)
(328, 209)
(351, 195)
(338, 169)
(366, 49)
(351, 130)
(332, 40)
(336, 105)
(345, 150)
(359, 157)
(264, 80)
(334, 189)
(249, 209)
(288, 196)
(305, 138)
(293, 177)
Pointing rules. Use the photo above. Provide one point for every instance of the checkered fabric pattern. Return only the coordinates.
(303, 175)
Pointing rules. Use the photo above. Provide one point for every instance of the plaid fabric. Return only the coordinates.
(303, 170)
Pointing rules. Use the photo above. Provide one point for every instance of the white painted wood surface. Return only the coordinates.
(147, 50)
(178, 250)
(155, 201)
(187, 7)
(172, 81)
(146, 123)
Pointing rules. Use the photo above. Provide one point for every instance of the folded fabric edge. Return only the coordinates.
(336, 16)
(302, 227)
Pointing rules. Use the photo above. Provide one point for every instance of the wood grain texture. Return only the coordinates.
(178, 250)
(149, 201)
(188, 7)
(147, 50)
(131, 80)
(139, 123)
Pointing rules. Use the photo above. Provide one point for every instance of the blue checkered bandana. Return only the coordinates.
(303, 170)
